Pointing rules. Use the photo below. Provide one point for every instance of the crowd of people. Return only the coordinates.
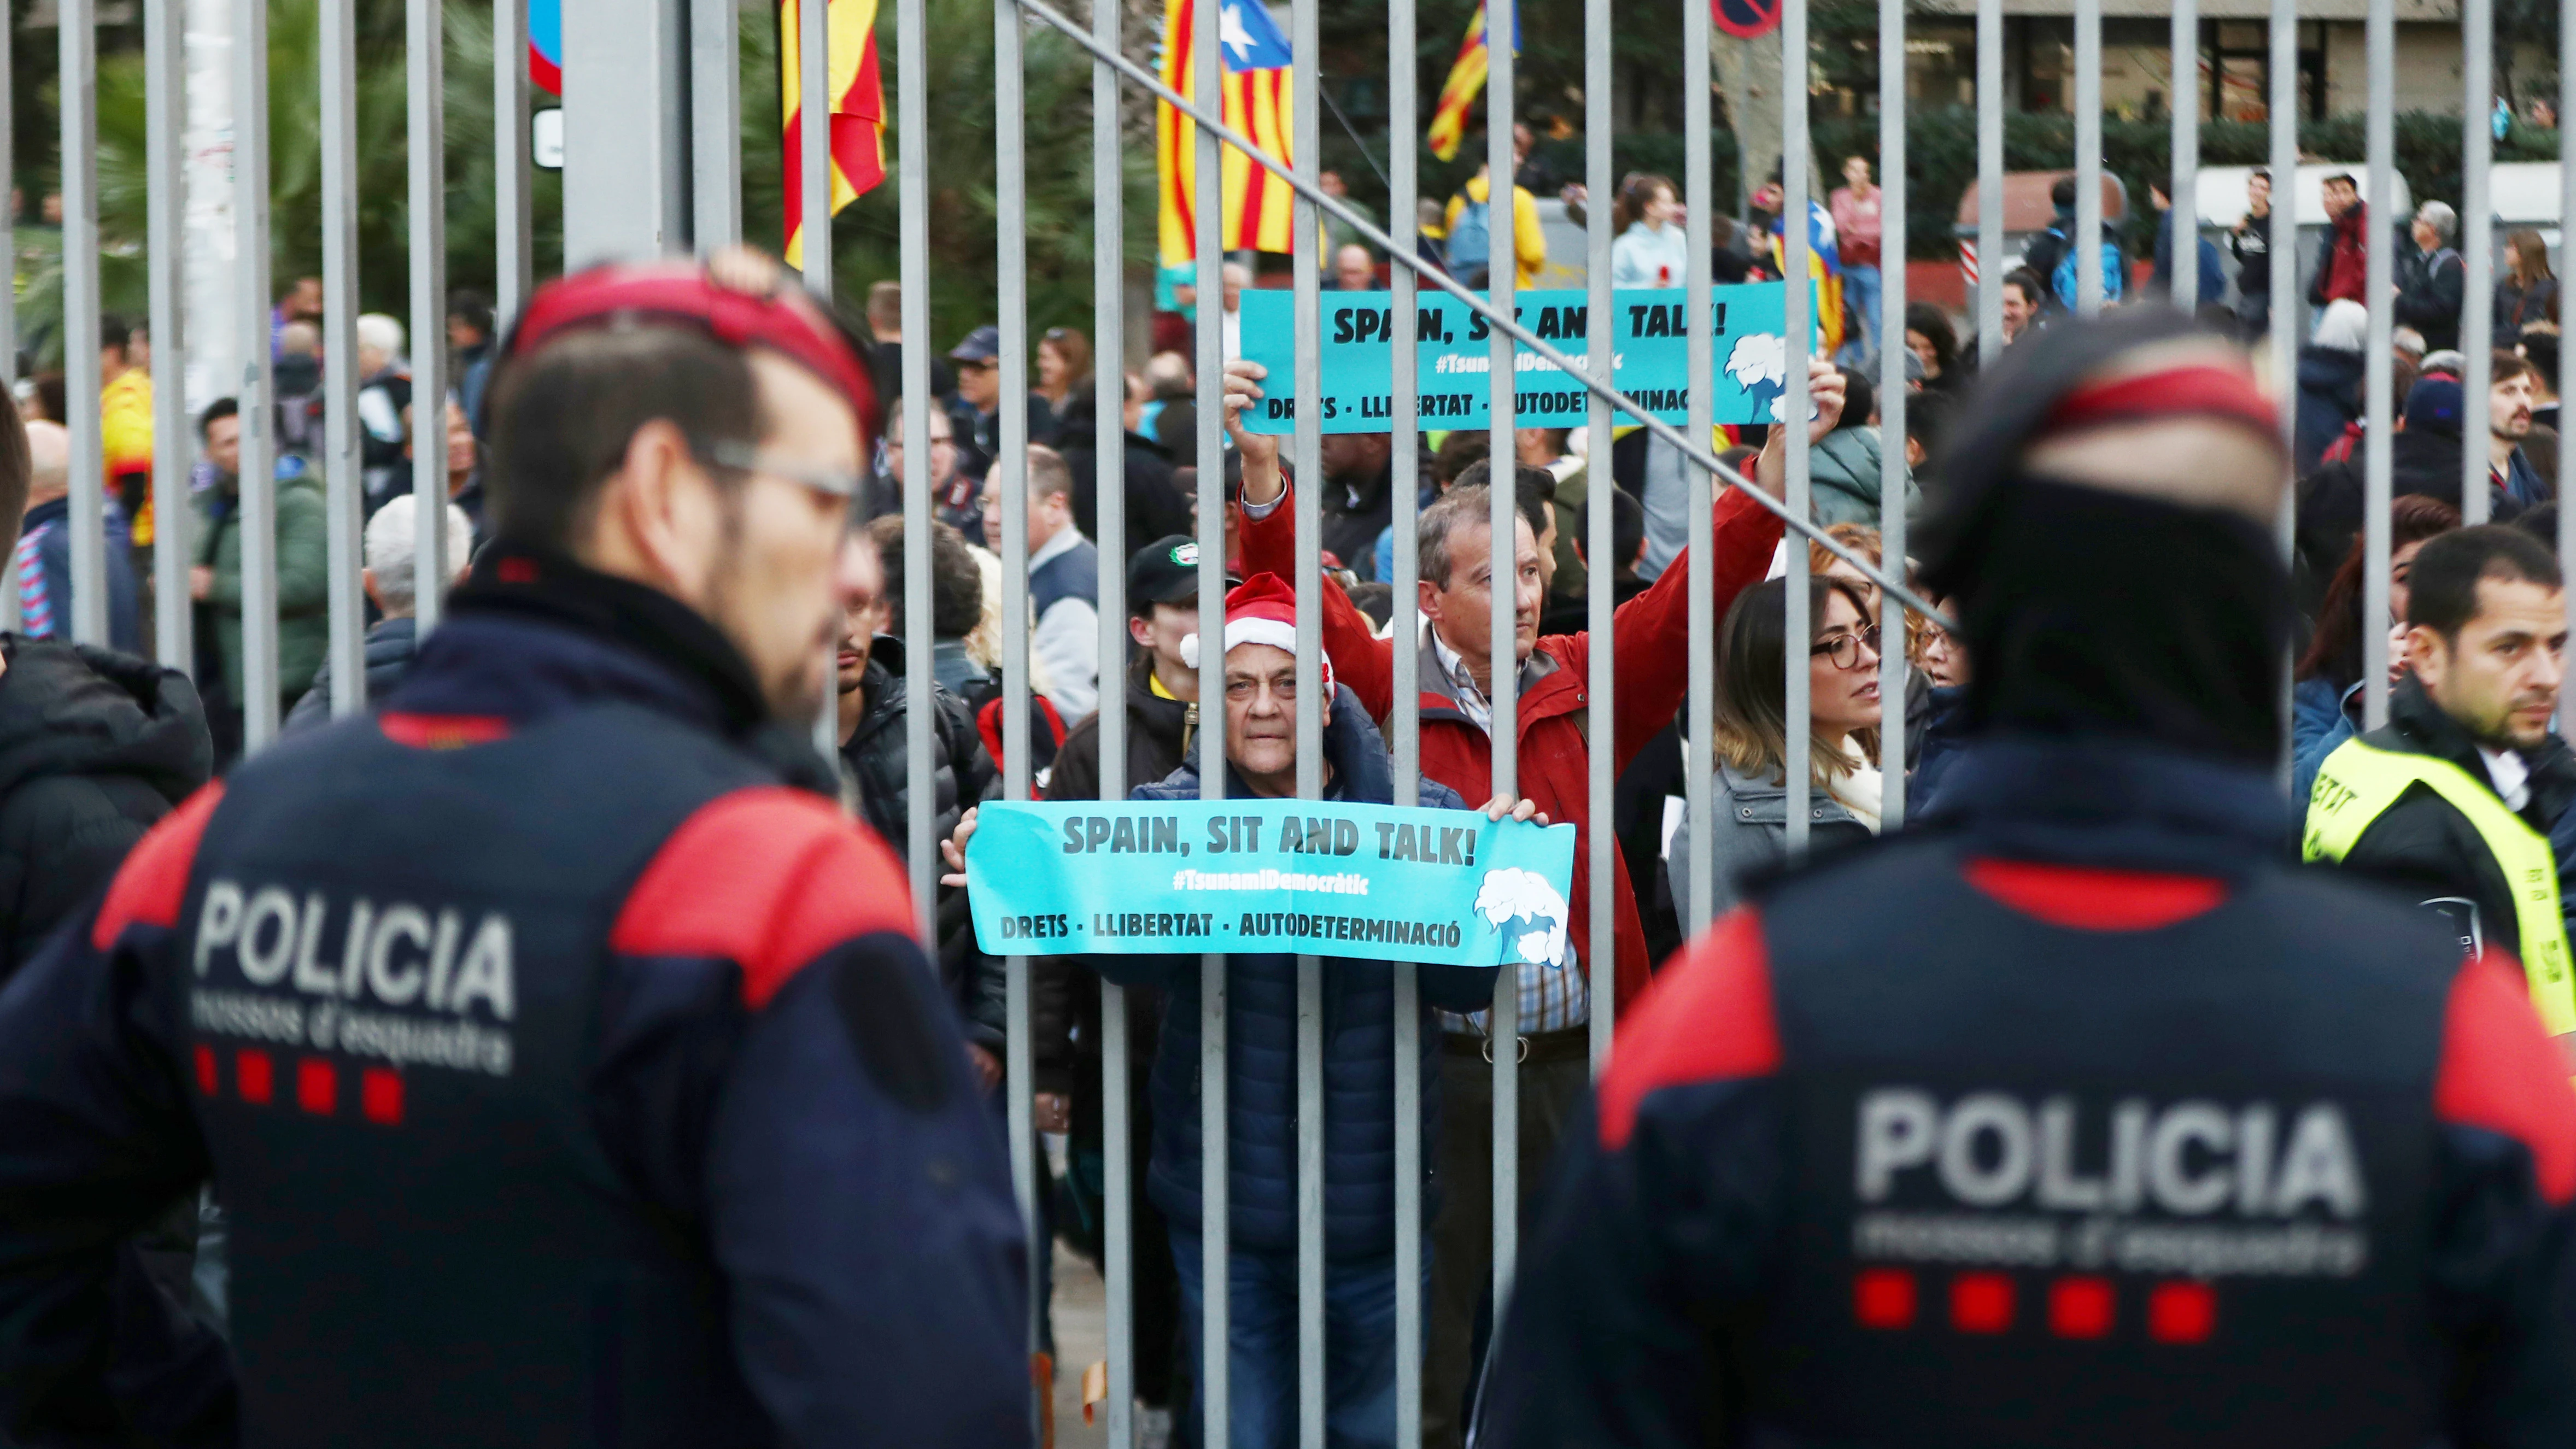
(571, 576)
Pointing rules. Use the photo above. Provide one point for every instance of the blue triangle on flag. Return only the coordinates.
(1250, 39)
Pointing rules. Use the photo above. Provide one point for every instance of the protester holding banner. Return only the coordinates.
(1556, 735)
(1261, 1082)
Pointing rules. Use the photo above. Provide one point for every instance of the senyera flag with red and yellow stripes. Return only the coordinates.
(1256, 204)
(858, 109)
(1466, 77)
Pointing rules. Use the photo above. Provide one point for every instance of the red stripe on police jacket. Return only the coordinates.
(1706, 1018)
(2083, 899)
(768, 879)
(154, 879)
(2501, 1072)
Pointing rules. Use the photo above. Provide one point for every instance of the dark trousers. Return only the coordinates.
(1552, 1081)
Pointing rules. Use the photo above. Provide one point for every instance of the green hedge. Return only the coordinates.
(1941, 155)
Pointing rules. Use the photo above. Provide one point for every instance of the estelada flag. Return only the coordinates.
(858, 109)
(1256, 205)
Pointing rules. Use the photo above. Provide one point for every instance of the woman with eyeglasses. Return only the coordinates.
(1750, 796)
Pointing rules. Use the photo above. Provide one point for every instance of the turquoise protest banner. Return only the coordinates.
(1650, 357)
(1379, 882)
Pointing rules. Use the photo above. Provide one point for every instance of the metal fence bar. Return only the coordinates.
(1304, 242)
(1502, 33)
(513, 221)
(2183, 185)
(715, 109)
(2477, 248)
(2281, 313)
(1011, 468)
(1796, 343)
(2382, 145)
(1109, 447)
(1600, 953)
(81, 345)
(813, 180)
(2566, 228)
(1695, 454)
(427, 74)
(1990, 180)
(343, 501)
(1404, 727)
(257, 519)
(165, 109)
(2088, 157)
(1699, 193)
(912, 182)
(1216, 1214)
(1893, 398)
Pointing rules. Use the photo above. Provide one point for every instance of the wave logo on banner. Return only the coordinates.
(1372, 882)
(1649, 357)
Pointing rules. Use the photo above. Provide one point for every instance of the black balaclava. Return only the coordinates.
(2092, 613)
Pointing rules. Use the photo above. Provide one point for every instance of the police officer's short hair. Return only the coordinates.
(562, 418)
(2442, 587)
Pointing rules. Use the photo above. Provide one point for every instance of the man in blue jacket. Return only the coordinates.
(2079, 1118)
(1261, 1076)
(566, 1061)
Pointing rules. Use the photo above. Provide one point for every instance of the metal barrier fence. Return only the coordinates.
(698, 40)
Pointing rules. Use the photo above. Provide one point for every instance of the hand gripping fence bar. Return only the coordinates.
(1696, 454)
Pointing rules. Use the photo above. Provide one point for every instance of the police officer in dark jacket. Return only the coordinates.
(565, 1056)
(2080, 1117)
(2452, 801)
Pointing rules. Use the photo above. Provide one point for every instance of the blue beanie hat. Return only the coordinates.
(2434, 407)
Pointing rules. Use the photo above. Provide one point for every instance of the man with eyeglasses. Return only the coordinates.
(1359, 1060)
(568, 1062)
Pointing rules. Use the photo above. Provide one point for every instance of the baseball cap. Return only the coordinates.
(981, 345)
(1165, 571)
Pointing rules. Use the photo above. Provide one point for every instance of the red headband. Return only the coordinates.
(2201, 390)
(681, 292)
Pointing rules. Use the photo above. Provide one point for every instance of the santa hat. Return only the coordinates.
(1261, 610)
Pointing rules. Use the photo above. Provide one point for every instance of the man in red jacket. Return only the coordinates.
(1555, 727)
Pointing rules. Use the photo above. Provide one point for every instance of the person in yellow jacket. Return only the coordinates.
(2453, 799)
(125, 423)
(1471, 246)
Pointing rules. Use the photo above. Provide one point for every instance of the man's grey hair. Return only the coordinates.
(1049, 474)
(391, 555)
(2441, 218)
(380, 333)
(1465, 505)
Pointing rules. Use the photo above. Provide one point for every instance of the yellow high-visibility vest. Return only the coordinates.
(2357, 784)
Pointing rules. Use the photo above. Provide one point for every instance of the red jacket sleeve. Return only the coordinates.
(1361, 660)
(1651, 632)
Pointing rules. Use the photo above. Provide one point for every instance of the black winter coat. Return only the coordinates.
(2424, 846)
(94, 747)
(1156, 507)
(390, 647)
(874, 759)
(1064, 999)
